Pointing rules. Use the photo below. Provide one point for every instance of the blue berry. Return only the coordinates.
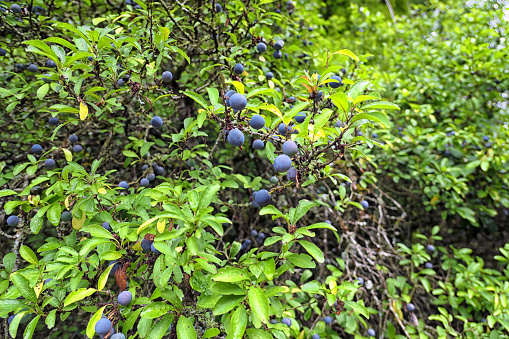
(236, 137)
(257, 121)
(37, 148)
(77, 148)
(12, 220)
(167, 77)
(156, 122)
(262, 197)
(50, 163)
(123, 184)
(102, 326)
(336, 83)
(106, 226)
(54, 121)
(269, 75)
(287, 322)
(328, 320)
(146, 245)
(290, 148)
(299, 118)
(238, 68)
(258, 144)
(410, 307)
(291, 174)
(261, 47)
(282, 163)
(238, 101)
(144, 182)
(73, 138)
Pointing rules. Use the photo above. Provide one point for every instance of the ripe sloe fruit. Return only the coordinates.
(15, 8)
(3, 52)
(154, 249)
(257, 121)
(258, 144)
(485, 138)
(118, 336)
(274, 180)
(238, 101)
(487, 145)
(360, 280)
(269, 75)
(261, 47)
(291, 174)
(73, 138)
(120, 82)
(156, 122)
(146, 245)
(77, 148)
(151, 176)
(278, 46)
(47, 78)
(364, 204)
(430, 248)
(33, 68)
(37, 148)
(410, 307)
(282, 163)
(123, 184)
(236, 137)
(103, 326)
(254, 233)
(106, 226)
(54, 121)
(292, 99)
(287, 322)
(299, 118)
(228, 95)
(159, 170)
(12, 220)
(371, 332)
(167, 77)
(374, 135)
(262, 197)
(290, 148)
(319, 96)
(315, 336)
(429, 265)
(336, 83)
(144, 182)
(327, 320)
(219, 8)
(66, 216)
(50, 63)
(125, 297)
(49, 163)
(246, 244)
(277, 54)
(238, 68)
(261, 236)
(283, 129)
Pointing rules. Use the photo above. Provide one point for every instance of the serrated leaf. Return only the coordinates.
(29, 255)
(347, 53)
(23, 286)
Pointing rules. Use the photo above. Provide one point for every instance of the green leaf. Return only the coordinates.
(91, 323)
(196, 97)
(203, 70)
(29, 330)
(155, 310)
(211, 333)
(313, 250)
(7, 192)
(213, 95)
(78, 295)
(227, 303)
(50, 319)
(13, 326)
(185, 329)
(358, 308)
(130, 154)
(29, 255)
(274, 211)
(301, 210)
(23, 286)
(380, 105)
(259, 304)
(358, 88)
(301, 260)
(231, 274)
(340, 100)
(238, 323)
(67, 154)
(159, 329)
(9, 260)
(42, 91)
(374, 116)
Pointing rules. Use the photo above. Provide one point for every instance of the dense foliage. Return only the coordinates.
(252, 169)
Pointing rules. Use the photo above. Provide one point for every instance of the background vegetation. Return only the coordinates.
(391, 222)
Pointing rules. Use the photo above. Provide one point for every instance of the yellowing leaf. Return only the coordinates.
(83, 110)
(273, 109)
(67, 154)
(137, 246)
(347, 53)
(145, 225)
(77, 224)
(238, 86)
(38, 289)
(161, 225)
(101, 190)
